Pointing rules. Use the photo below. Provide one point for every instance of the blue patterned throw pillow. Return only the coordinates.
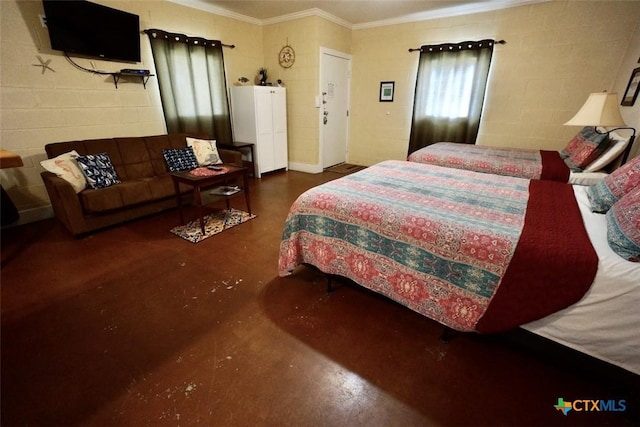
(614, 186)
(180, 159)
(623, 226)
(98, 170)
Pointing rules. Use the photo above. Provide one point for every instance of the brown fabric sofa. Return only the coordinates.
(146, 186)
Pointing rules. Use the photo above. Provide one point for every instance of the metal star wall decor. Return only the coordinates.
(44, 64)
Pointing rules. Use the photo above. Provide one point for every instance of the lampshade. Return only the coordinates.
(601, 109)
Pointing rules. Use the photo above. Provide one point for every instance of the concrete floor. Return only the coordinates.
(135, 326)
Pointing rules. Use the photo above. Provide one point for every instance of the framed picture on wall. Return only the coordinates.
(631, 93)
(386, 91)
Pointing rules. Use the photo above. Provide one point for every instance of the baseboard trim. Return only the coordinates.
(32, 215)
(305, 167)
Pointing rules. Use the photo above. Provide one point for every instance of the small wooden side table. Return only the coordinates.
(200, 182)
(243, 147)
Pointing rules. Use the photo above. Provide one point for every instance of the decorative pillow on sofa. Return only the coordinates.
(66, 167)
(623, 226)
(180, 159)
(206, 151)
(584, 148)
(615, 185)
(98, 170)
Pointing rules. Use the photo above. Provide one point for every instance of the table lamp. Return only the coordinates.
(601, 109)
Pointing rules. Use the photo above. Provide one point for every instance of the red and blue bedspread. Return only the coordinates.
(473, 251)
(522, 163)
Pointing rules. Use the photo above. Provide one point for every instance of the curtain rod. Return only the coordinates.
(232, 46)
(495, 41)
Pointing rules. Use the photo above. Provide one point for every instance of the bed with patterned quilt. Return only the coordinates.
(475, 252)
(580, 162)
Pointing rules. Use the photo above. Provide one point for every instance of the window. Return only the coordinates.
(453, 92)
(192, 84)
(450, 89)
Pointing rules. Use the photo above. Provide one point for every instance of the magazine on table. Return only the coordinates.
(225, 190)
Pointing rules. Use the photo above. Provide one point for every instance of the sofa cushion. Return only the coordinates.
(126, 193)
(161, 186)
(102, 200)
(136, 160)
(155, 145)
(135, 191)
(98, 170)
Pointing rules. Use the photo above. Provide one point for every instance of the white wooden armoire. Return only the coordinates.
(259, 115)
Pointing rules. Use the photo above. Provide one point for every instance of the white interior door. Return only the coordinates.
(335, 71)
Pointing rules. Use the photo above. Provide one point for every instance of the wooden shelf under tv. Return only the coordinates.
(144, 77)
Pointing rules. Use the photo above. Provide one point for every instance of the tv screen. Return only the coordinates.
(90, 29)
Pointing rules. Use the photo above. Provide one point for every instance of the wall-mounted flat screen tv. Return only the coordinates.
(89, 29)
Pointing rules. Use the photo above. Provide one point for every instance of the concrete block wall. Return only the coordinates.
(557, 52)
(68, 104)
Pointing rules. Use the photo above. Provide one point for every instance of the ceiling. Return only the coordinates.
(350, 12)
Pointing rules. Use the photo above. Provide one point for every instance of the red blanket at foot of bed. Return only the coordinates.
(553, 167)
(525, 292)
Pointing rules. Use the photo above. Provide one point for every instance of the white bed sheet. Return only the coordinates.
(605, 323)
(585, 178)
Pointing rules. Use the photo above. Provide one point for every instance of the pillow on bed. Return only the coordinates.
(623, 226)
(206, 151)
(584, 148)
(616, 147)
(615, 185)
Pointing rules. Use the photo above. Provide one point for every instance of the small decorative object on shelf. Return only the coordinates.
(243, 80)
(262, 75)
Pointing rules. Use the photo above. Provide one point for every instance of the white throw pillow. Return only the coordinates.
(66, 167)
(618, 144)
(205, 150)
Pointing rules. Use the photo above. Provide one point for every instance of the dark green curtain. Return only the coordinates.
(449, 95)
(192, 84)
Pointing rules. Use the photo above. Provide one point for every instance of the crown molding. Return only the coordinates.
(206, 7)
(466, 9)
(305, 14)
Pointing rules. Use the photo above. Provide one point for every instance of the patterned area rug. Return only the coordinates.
(214, 223)
(345, 168)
